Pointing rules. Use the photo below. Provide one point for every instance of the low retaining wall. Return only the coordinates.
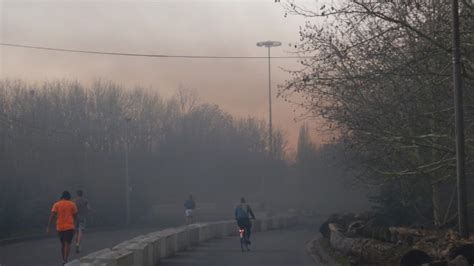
(147, 250)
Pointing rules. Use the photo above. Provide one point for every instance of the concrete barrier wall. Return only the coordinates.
(143, 251)
(159, 243)
(117, 258)
(147, 250)
(182, 241)
(170, 244)
(231, 228)
(193, 235)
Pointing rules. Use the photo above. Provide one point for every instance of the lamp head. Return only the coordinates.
(269, 44)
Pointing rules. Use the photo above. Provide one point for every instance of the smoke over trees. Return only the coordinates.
(323, 183)
(63, 135)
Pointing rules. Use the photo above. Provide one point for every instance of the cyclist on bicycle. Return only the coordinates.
(243, 213)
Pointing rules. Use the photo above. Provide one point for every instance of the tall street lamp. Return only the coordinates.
(268, 45)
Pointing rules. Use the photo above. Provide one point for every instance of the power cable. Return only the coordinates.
(148, 55)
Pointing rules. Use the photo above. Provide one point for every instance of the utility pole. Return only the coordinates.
(127, 178)
(459, 120)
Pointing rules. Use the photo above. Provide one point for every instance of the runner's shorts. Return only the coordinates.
(81, 224)
(66, 236)
(188, 212)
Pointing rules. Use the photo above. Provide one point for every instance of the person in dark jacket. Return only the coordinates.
(243, 213)
(189, 206)
(83, 209)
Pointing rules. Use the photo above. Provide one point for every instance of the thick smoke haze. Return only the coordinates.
(221, 28)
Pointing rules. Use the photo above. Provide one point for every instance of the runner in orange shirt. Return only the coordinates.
(65, 212)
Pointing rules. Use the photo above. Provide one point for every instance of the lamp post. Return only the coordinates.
(268, 45)
(127, 179)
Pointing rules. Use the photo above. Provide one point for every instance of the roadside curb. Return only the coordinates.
(149, 249)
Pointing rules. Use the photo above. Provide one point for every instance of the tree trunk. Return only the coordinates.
(436, 201)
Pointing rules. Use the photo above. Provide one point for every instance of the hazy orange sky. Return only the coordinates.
(189, 27)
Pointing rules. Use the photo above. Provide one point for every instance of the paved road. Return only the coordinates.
(45, 252)
(286, 247)
(276, 247)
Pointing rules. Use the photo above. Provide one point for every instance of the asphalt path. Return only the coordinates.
(46, 252)
(277, 247)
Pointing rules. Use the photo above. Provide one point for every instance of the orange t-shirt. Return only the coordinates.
(65, 211)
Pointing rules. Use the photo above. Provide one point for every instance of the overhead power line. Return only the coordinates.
(147, 55)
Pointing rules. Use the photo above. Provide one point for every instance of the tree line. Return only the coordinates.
(380, 74)
(65, 135)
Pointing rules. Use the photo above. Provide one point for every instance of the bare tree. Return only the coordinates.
(380, 74)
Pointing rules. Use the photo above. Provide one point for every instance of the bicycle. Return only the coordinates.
(244, 241)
